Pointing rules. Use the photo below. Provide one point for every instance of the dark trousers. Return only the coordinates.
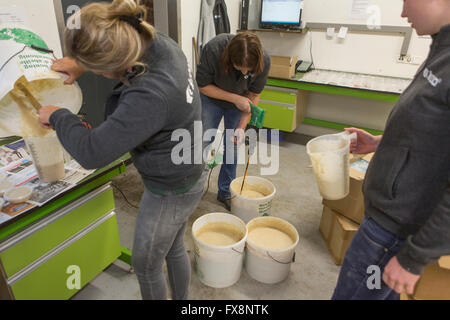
(212, 116)
(371, 246)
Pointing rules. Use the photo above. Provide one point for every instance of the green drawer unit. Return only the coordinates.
(30, 244)
(304, 86)
(90, 251)
(285, 108)
(278, 117)
(280, 95)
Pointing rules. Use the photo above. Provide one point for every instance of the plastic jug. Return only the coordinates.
(329, 155)
(48, 157)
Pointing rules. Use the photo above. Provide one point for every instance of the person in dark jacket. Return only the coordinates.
(407, 186)
(232, 73)
(157, 96)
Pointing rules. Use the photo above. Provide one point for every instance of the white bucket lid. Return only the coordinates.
(18, 59)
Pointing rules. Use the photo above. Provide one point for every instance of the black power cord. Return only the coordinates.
(215, 158)
(124, 196)
(209, 180)
(23, 49)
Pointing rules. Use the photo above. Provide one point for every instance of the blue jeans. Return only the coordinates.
(371, 246)
(212, 116)
(159, 235)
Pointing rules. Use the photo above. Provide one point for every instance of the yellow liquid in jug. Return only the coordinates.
(51, 173)
(331, 169)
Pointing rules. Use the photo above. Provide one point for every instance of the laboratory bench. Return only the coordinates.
(43, 250)
(286, 100)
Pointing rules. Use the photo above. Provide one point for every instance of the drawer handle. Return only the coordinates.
(52, 218)
(280, 89)
(280, 104)
(46, 257)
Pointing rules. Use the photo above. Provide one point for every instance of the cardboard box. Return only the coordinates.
(434, 284)
(282, 67)
(352, 206)
(405, 296)
(338, 232)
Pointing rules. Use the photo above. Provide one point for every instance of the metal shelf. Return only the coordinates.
(300, 31)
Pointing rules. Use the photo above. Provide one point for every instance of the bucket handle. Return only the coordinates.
(293, 259)
(238, 251)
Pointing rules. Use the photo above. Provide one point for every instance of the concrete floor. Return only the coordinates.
(313, 276)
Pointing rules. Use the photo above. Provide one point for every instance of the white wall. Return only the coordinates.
(359, 52)
(46, 28)
(190, 16)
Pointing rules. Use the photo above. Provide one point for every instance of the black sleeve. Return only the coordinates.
(206, 67)
(260, 81)
(431, 242)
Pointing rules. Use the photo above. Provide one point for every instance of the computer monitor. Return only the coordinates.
(281, 14)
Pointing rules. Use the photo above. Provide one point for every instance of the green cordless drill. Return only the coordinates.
(258, 116)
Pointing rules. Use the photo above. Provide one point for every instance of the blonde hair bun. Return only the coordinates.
(127, 8)
(106, 44)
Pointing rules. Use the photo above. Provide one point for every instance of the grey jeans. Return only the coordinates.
(159, 236)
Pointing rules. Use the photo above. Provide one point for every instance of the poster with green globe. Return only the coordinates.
(20, 56)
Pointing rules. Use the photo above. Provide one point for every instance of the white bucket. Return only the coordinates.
(249, 208)
(265, 264)
(48, 157)
(19, 62)
(329, 155)
(219, 266)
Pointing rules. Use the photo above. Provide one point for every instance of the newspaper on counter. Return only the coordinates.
(13, 152)
(75, 172)
(17, 165)
(4, 217)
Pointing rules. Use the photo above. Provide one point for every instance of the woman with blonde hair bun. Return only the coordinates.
(156, 96)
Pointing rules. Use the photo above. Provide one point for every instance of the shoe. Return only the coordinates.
(226, 202)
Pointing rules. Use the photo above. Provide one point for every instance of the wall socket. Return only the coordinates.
(409, 59)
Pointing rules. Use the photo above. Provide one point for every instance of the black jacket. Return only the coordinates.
(221, 20)
(407, 186)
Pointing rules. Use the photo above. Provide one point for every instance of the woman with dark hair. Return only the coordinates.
(233, 71)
